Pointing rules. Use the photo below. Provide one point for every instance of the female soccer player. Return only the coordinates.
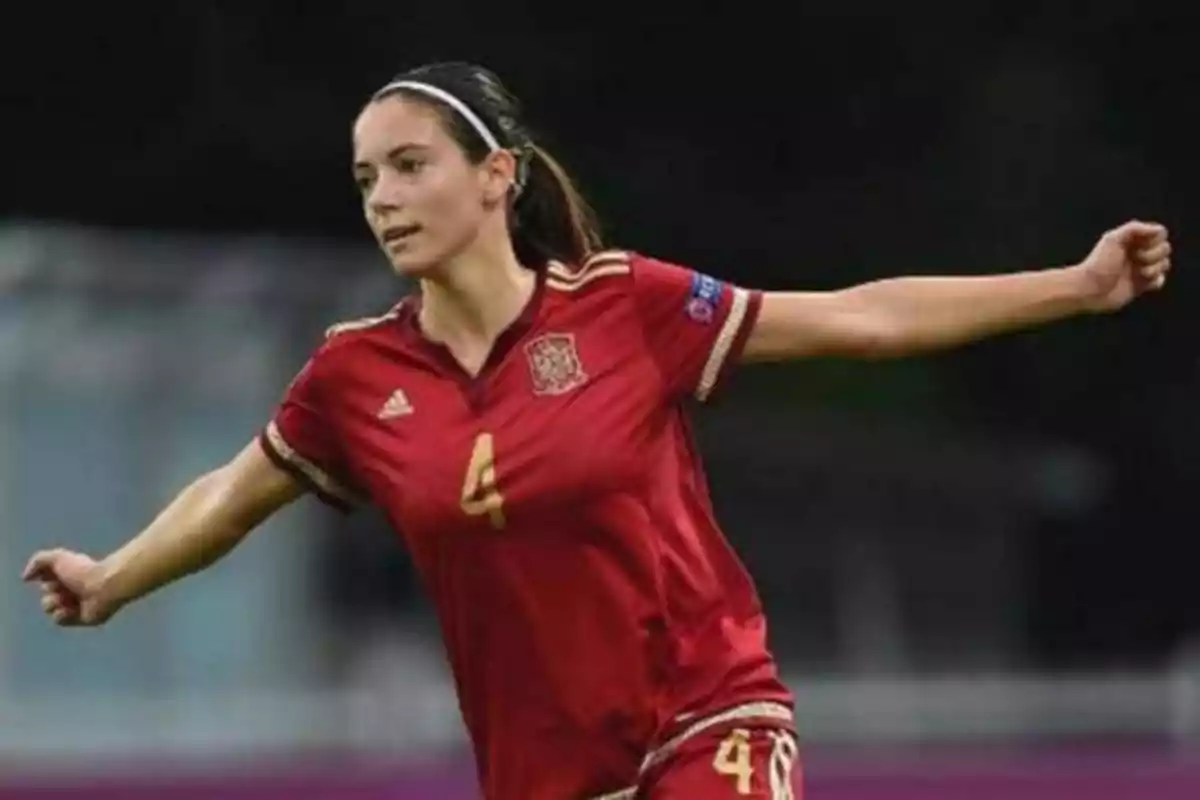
(521, 420)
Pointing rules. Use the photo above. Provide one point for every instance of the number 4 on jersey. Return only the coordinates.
(480, 495)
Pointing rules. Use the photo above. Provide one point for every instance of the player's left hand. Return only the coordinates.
(1127, 262)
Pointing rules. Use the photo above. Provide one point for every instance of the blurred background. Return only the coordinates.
(979, 566)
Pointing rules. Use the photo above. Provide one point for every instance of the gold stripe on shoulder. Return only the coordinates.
(582, 279)
(360, 324)
(600, 259)
(606, 257)
(600, 265)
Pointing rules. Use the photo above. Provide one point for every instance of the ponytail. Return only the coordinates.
(552, 219)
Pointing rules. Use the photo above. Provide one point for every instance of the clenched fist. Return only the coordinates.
(1127, 262)
(69, 585)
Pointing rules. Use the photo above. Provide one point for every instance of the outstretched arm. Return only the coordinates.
(203, 523)
(911, 315)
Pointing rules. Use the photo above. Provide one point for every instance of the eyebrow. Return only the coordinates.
(395, 151)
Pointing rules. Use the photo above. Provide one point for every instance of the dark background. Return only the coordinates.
(778, 146)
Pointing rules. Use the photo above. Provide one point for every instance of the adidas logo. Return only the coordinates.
(396, 406)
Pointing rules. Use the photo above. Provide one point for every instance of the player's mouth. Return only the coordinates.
(398, 234)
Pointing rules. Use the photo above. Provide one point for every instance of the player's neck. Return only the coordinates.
(475, 299)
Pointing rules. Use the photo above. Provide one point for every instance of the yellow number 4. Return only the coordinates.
(733, 759)
(480, 494)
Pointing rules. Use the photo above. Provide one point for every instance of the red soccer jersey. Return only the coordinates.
(556, 510)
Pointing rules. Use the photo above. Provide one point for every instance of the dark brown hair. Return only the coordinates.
(549, 217)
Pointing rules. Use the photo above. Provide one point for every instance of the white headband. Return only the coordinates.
(458, 105)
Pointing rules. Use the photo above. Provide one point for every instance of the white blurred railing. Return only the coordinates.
(424, 717)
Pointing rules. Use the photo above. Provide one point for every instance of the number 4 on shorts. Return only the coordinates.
(733, 759)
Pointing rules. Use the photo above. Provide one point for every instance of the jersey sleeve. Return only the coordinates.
(301, 438)
(695, 325)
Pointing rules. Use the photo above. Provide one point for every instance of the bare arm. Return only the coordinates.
(911, 315)
(907, 316)
(203, 523)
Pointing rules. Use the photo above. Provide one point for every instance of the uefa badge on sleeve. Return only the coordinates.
(703, 299)
(554, 364)
(700, 310)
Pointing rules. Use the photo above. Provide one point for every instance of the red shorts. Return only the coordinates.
(753, 762)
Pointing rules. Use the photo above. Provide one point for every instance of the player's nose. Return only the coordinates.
(386, 194)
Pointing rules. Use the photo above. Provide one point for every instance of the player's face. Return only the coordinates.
(423, 199)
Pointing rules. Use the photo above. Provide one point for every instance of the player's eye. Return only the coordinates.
(408, 165)
(363, 182)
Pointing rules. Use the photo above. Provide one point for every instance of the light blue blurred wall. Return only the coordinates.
(128, 366)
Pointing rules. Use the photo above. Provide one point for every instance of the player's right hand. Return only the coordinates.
(68, 582)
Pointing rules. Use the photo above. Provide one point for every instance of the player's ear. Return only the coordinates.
(498, 173)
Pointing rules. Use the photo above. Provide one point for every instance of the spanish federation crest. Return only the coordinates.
(554, 364)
